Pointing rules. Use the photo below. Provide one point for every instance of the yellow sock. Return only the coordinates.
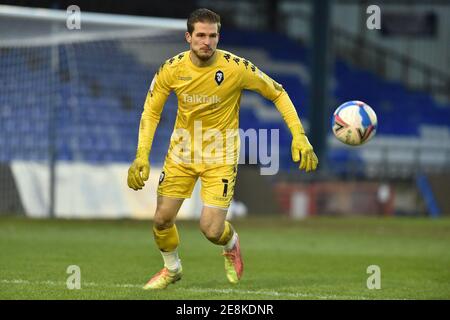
(226, 235)
(166, 239)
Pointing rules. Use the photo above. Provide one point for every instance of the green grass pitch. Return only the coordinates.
(317, 258)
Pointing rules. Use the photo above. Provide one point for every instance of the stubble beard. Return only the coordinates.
(203, 57)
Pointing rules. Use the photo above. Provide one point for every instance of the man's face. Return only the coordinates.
(204, 39)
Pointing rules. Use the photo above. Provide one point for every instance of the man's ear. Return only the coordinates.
(188, 37)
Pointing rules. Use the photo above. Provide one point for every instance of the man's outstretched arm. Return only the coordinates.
(301, 149)
(139, 170)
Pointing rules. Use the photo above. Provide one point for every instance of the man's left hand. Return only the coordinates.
(303, 151)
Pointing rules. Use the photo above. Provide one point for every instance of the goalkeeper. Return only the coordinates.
(208, 83)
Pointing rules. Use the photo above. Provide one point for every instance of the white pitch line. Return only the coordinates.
(195, 290)
(261, 292)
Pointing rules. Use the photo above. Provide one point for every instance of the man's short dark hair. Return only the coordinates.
(202, 15)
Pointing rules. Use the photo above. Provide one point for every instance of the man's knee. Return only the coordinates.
(163, 219)
(166, 212)
(212, 231)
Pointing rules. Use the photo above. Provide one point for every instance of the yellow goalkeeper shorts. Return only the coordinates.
(177, 180)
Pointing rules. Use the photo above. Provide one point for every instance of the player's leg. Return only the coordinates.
(220, 232)
(217, 192)
(214, 226)
(175, 184)
(166, 237)
(165, 231)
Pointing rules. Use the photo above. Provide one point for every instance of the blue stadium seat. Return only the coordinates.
(101, 108)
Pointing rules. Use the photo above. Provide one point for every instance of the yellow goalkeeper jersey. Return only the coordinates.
(208, 105)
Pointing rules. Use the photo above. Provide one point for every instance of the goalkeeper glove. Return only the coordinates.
(302, 150)
(138, 173)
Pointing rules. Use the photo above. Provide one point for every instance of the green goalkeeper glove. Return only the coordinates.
(138, 173)
(303, 151)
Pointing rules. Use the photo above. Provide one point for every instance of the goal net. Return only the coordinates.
(70, 104)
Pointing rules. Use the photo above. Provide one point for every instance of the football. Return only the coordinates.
(354, 123)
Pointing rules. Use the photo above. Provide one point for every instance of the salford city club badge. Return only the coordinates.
(219, 77)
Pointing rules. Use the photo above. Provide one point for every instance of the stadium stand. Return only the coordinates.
(98, 108)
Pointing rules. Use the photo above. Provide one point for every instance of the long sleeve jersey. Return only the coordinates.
(208, 105)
